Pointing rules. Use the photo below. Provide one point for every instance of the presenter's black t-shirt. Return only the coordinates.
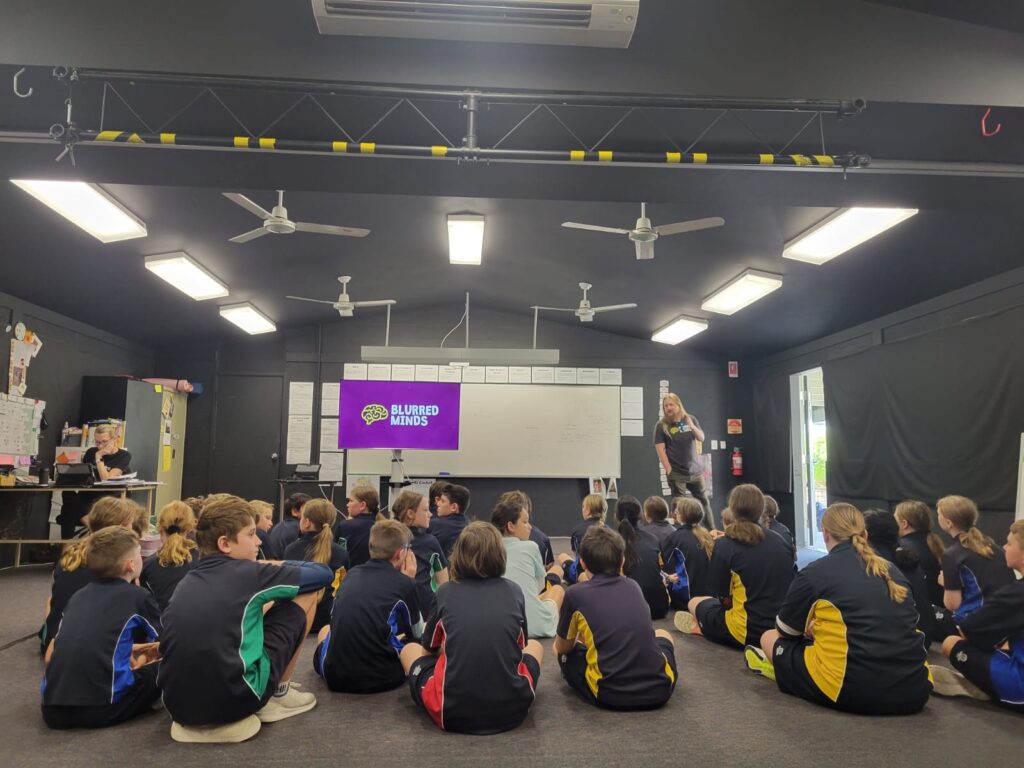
(119, 459)
(680, 446)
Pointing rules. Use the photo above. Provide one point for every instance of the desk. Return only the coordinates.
(321, 484)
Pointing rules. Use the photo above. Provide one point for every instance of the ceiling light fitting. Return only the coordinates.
(465, 238)
(841, 231)
(186, 275)
(680, 330)
(88, 206)
(742, 291)
(248, 318)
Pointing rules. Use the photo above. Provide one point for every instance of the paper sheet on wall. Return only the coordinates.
(354, 481)
(588, 376)
(299, 440)
(300, 398)
(330, 393)
(497, 374)
(632, 410)
(356, 371)
(631, 395)
(565, 375)
(473, 374)
(426, 372)
(403, 372)
(519, 374)
(332, 467)
(611, 376)
(543, 375)
(631, 427)
(379, 372)
(449, 373)
(328, 436)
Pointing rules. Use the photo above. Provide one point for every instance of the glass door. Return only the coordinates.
(807, 395)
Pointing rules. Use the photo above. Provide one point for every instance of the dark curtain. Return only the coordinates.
(772, 467)
(938, 414)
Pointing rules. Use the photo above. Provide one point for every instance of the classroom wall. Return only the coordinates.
(318, 353)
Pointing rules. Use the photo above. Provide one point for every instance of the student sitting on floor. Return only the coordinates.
(264, 522)
(656, 522)
(354, 534)
(915, 522)
(450, 517)
(226, 663)
(537, 536)
(594, 510)
(686, 554)
(162, 570)
(883, 536)
(316, 545)
(374, 613)
(100, 668)
(607, 650)
(476, 672)
(411, 509)
(770, 521)
(847, 634)
(748, 576)
(643, 556)
(990, 652)
(971, 568)
(70, 573)
(542, 592)
(287, 531)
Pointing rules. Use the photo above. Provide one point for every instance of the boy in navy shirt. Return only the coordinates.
(608, 651)
(450, 517)
(226, 663)
(375, 610)
(285, 532)
(100, 668)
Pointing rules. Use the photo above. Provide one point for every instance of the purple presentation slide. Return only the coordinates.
(399, 414)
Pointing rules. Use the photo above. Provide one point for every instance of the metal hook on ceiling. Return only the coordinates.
(984, 125)
(17, 92)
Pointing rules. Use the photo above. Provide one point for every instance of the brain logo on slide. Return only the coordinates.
(374, 412)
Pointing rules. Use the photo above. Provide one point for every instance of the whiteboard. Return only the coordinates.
(520, 430)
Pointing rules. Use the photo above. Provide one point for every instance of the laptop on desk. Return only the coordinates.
(74, 475)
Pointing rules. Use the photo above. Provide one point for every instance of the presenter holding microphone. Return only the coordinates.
(675, 439)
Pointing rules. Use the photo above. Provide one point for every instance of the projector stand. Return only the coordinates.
(398, 479)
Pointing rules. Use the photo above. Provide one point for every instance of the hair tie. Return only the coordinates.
(173, 529)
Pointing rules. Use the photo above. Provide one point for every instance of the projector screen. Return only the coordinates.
(519, 430)
(398, 414)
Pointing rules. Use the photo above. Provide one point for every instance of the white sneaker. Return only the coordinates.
(292, 703)
(686, 623)
(949, 682)
(228, 733)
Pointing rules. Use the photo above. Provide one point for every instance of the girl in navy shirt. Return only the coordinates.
(162, 570)
(316, 545)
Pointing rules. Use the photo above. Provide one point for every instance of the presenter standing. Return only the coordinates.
(675, 439)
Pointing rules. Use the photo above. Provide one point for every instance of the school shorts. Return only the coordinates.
(710, 615)
(136, 700)
(284, 629)
(354, 678)
(976, 665)
(574, 670)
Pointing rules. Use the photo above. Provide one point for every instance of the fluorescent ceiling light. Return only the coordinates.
(840, 231)
(741, 291)
(465, 238)
(679, 330)
(248, 318)
(184, 274)
(88, 206)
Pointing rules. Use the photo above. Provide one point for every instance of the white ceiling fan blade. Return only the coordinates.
(612, 307)
(375, 303)
(315, 301)
(690, 226)
(558, 309)
(594, 228)
(248, 204)
(331, 229)
(252, 234)
(645, 250)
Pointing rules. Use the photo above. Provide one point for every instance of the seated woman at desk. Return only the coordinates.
(110, 462)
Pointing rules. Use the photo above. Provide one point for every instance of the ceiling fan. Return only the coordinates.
(644, 234)
(276, 221)
(345, 306)
(585, 312)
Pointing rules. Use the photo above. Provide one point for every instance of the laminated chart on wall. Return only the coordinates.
(299, 441)
(19, 425)
(24, 347)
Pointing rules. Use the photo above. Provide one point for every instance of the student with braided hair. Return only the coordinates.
(316, 545)
(971, 567)
(162, 570)
(846, 636)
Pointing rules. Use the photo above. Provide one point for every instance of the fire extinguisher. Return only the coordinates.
(737, 462)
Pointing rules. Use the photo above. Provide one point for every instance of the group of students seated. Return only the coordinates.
(215, 620)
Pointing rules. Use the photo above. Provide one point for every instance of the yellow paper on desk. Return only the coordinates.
(167, 458)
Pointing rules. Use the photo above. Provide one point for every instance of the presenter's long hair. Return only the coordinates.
(844, 522)
(665, 422)
(320, 514)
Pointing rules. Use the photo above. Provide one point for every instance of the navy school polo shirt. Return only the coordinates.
(547, 556)
(65, 585)
(429, 560)
(682, 555)
(354, 535)
(161, 580)
(447, 529)
(1001, 620)
(975, 576)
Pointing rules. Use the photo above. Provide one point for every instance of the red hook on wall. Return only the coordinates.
(984, 127)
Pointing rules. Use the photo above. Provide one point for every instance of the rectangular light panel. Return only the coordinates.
(465, 238)
(248, 318)
(680, 330)
(183, 273)
(742, 291)
(845, 229)
(88, 206)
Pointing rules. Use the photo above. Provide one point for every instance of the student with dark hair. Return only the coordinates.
(686, 554)
(316, 545)
(642, 556)
(476, 672)
(100, 668)
(450, 517)
(354, 533)
(434, 495)
(162, 570)
(883, 536)
(770, 521)
(971, 568)
(607, 650)
(374, 613)
(594, 510)
(748, 576)
(227, 662)
(656, 522)
(847, 634)
(286, 531)
(989, 651)
(915, 522)
(411, 509)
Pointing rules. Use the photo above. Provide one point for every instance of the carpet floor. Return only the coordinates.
(720, 715)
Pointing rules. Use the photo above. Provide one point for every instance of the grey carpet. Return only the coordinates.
(720, 715)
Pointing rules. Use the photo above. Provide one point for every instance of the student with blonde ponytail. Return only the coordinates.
(748, 576)
(162, 570)
(971, 568)
(915, 522)
(316, 545)
(846, 636)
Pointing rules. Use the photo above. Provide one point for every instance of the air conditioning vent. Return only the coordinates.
(601, 23)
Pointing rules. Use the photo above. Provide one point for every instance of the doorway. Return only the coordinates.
(247, 436)
(810, 458)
